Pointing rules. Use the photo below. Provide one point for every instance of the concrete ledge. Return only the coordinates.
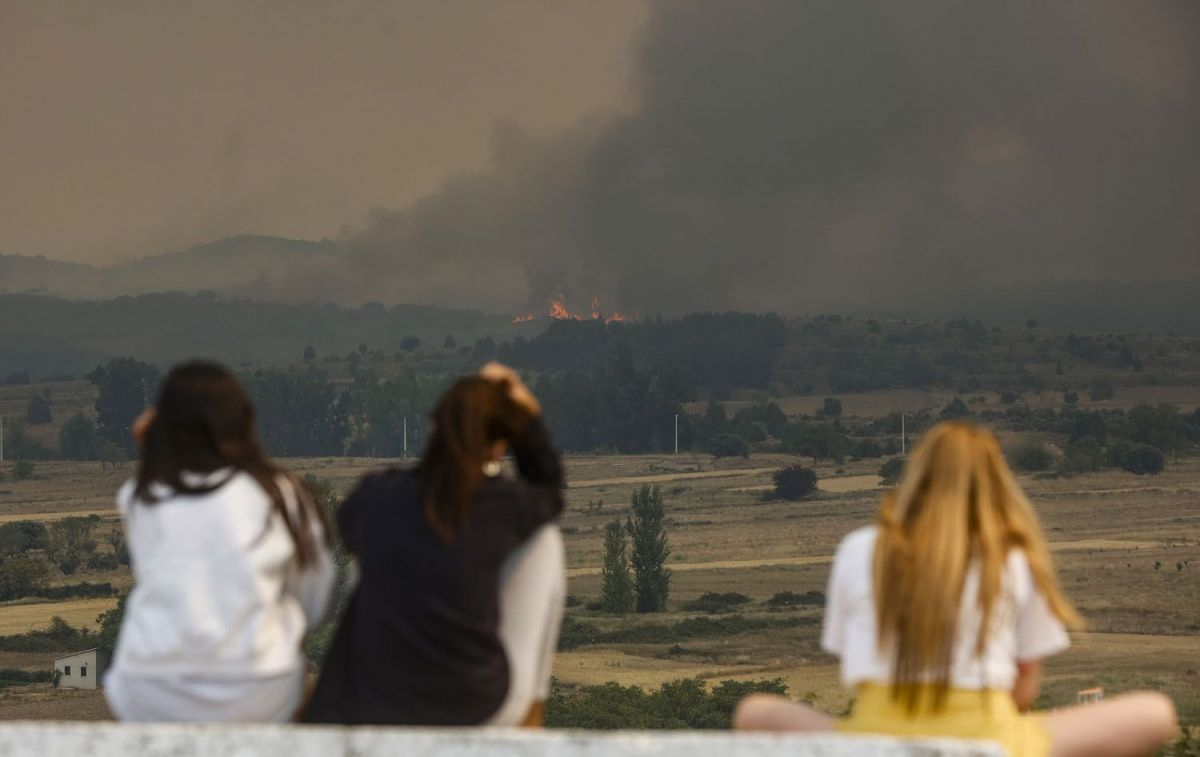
(65, 739)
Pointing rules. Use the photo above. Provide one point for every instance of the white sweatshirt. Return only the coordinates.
(217, 594)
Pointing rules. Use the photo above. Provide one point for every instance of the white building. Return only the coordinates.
(81, 670)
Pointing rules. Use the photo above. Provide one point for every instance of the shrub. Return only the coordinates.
(1101, 389)
(795, 482)
(1031, 457)
(17, 677)
(576, 633)
(84, 589)
(1071, 398)
(713, 602)
(890, 472)
(22, 470)
(792, 599)
(684, 703)
(1143, 459)
(831, 407)
(1009, 397)
(1083, 456)
(59, 636)
(728, 445)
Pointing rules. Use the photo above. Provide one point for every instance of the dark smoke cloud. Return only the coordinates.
(823, 155)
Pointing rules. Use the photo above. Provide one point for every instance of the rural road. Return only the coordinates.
(1060, 546)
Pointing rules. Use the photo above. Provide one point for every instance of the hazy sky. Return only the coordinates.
(667, 156)
(131, 128)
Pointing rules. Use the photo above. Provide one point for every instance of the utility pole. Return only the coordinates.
(1, 438)
(903, 438)
(406, 437)
(676, 433)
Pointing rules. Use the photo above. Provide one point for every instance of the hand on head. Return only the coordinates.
(517, 389)
(141, 425)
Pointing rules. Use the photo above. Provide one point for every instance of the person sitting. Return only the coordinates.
(230, 564)
(942, 612)
(421, 641)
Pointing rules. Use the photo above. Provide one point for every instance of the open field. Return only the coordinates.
(21, 617)
(1127, 548)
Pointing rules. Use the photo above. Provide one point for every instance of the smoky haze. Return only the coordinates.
(810, 155)
(803, 156)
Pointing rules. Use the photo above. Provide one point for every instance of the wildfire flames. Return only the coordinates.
(560, 312)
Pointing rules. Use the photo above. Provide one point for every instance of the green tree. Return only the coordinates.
(19, 445)
(651, 579)
(410, 343)
(309, 354)
(77, 439)
(728, 445)
(19, 576)
(38, 411)
(616, 591)
(795, 482)
(1143, 459)
(70, 541)
(449, 343)
(110, 627)
(298, 415)
(890, 472)
(126, 387)
(956, 409)
(831, 407)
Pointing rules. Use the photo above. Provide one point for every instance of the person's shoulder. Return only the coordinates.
(858, 541)
(126, 495)
(1017, 572)
(856, 551)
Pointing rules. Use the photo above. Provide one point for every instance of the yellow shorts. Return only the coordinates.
(968, 714)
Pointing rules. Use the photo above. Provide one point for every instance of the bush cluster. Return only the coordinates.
(685, 703)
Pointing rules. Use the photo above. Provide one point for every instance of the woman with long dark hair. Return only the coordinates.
(455, 617)
(230, 564)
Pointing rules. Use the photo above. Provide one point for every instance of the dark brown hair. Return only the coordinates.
(470, 418)
(204, 422)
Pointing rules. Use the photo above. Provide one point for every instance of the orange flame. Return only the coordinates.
(558, 309)
(560, 312)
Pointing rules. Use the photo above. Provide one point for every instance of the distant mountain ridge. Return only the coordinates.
(249, 265)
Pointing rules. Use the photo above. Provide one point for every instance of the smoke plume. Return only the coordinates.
(825, 155)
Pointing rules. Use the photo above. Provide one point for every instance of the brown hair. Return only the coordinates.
(957, 502)
(204, 422)
(470, 418)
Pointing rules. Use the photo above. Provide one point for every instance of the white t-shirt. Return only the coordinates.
(1023, 627)
(217, 593)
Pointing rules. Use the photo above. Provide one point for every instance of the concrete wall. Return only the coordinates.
(52, 739)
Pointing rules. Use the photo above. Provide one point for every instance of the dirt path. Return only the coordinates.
(664, 477)
(1062, 546)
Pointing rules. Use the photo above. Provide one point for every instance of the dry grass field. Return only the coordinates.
(1127, 547)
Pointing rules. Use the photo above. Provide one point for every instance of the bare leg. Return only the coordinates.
(1125, 726)
(767, 712)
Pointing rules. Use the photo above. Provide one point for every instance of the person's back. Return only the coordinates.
(229, 562)
(419, 641)
(942, 613)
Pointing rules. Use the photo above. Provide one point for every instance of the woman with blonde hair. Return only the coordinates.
(942, 612)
